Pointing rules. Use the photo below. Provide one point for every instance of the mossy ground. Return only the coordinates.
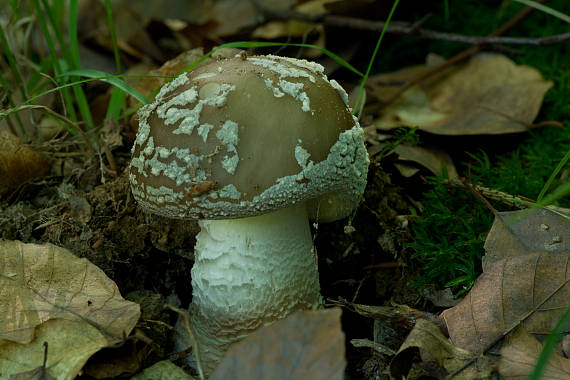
(450, 233)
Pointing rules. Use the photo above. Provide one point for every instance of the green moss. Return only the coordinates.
(451, 231)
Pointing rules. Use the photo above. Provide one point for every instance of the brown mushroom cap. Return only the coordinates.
(244, 136)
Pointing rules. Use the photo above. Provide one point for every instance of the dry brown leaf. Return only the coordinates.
(18, 162)
(436, 349)
(295, 28)
(307, 345)
(43, 282)
(71, 343)
(540, 231)
(523, 282)
(520, 354)
(49, 295)
(490, 94)
(430, 158)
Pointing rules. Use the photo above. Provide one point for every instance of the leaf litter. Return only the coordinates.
(49, 295)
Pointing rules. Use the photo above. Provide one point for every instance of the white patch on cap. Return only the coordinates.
(340, 90)
(290, 70)
(295, 90)
(276, 91)
(228, 136)
(203, 131)
(204, 76)
(211, 94)
(301, 155)
(179, 81)
(230, 192)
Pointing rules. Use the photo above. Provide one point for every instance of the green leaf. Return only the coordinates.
(111, 79)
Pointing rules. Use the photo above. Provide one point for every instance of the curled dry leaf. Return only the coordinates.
(438, 354)
(523, 282)
(49, 295)
(520, 354)
(490, 94)
(433, 159)
(307, 345)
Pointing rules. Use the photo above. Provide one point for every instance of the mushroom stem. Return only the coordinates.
(248, 273)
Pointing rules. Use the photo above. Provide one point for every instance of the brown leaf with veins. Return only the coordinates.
(307, 345)
(489, 94)
(539, 231)
(49, 295)
(519, 357)
(523, 282)
(439, 356)
(43, 282)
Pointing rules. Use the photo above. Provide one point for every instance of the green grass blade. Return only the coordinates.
(74, 61)
(11, 60)
(545, 9)
(68, 103)
(4, 87)
(376, 48)
(113, 35)
(73, 42)
(116, 103)
(557, 170)
(256, 44)
(111, 79)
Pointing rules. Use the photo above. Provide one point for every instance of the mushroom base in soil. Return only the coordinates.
(250, 272)
(252, 147)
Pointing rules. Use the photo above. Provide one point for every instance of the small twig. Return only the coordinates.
(111, 161)
(413, 30)
(500, 196)
(478, 195)
(407, 29)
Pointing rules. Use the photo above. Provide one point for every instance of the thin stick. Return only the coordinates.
(408, 29)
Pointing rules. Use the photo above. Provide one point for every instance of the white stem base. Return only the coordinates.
(248, 273)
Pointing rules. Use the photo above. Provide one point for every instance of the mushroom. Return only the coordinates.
(251, 147)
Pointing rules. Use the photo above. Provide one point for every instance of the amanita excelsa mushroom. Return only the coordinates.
(251, 147)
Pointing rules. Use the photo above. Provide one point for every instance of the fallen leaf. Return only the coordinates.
(434, 347)
(163, 370)
(295, 28)
(524, 282)
(71, 343)
(440, 297)
(307, 345)
(519, 357)
(49, 295)
(19, 163)
(434, 160)
(540, 231)
(489, 94)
